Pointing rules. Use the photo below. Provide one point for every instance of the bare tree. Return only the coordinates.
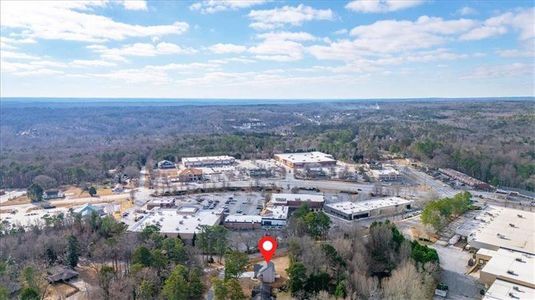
(404, 283)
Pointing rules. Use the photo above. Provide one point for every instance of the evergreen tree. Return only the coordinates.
(73, 251)
(35, 192)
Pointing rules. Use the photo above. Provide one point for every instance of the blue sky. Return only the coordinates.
(267, 49)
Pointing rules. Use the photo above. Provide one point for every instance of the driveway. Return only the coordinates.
(454, 265)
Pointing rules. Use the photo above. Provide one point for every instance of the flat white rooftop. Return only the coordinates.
(499, 227)
(173, 221)
(364, 206)
(207, 159)
(162, 201)
(502, 290)
(503, 262)
(385, 172)
(306, 157)
(284, 198)
(188, 209)
(276, 212)
(243, 219)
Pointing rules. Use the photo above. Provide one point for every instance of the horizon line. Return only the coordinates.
(262, 99)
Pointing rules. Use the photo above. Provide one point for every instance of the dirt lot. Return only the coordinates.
(59, 291)
(75, 192)
(16, 201)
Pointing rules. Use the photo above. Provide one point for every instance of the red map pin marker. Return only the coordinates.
(267, 246)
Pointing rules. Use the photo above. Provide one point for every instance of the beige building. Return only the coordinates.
(386, 174)
(190, 175)
(293, 201)
(306, 159)
(510, 266)
(208, 161)
(368, 209)
(243, 222)
(184, 222)
(499, 227)
(503, 290)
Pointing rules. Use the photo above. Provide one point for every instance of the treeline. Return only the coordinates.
(491, 141)
(343, 264)
(127, 265)
(439, 213)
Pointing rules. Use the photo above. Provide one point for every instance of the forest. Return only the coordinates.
(325, 262)
(126, 265)
(341, 264)
(76, 143)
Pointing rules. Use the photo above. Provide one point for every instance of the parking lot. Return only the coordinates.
(229, 203)
(453, 265)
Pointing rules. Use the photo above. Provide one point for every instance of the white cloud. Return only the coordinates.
(466, 11)
(12, 43)
(214, 6)
(499, 71)
(33, 67)
(483, 32)
(381, 6)
(227, 48)
(92, 63)
(74, 20)
(134, 4)
(385, 37)
(281, 46)
(287, 15)
(522, 20)
(286, 35)
(157, 74)
(17, 55)
(278, 50)
(139, 49)
(341, 31)
(516, 53)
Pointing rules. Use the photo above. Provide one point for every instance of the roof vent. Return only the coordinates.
(520, 216)
(519, 259)
(511, 272)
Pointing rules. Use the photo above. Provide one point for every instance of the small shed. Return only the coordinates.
(60, 274)
(265, 272)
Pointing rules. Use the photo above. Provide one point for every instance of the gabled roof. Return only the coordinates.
(60, 274)
(190, 171)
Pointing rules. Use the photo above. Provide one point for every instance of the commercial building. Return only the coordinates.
(500, 227)
(275, 216)
(161, 203)
(306, 159)
(503, 290)
(386, 174)
(294, 201)
(510, 266)
(368, 209)
(470, 181)
(208, 161)
(190, 175)
(243, 222)
(183, 222)
(88, 209)
(505, 239)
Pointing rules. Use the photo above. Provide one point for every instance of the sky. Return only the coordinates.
(267, 49)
